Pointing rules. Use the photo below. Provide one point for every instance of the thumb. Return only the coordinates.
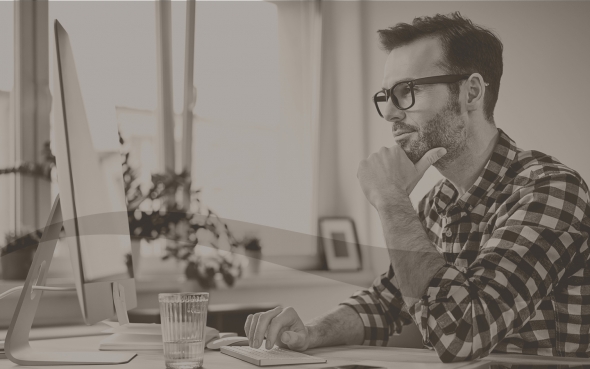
(293, 340)
(430, 158)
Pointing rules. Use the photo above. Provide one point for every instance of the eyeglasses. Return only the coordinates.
(402, 93)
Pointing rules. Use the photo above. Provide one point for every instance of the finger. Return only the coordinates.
(253, 329)
(262, 324)
(294, 340)
(277, 339)
(247, 325)
(430, 158)
(277, 326)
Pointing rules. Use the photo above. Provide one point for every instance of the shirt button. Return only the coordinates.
(449, 233)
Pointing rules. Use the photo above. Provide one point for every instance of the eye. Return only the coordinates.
(405, 90)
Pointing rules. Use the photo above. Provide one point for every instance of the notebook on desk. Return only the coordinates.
(426, 365)
(131, 342)
(141, 337)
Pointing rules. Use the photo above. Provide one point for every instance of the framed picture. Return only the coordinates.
(339, 242)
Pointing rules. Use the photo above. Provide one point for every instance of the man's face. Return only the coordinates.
(435, 120)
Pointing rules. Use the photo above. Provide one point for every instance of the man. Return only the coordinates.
(496, 258)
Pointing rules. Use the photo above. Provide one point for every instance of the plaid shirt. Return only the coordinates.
(517, 277)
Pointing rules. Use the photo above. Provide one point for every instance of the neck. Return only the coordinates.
(464, 171)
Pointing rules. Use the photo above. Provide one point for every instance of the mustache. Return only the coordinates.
(399, 126)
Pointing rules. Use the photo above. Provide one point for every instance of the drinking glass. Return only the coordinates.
(183, 316)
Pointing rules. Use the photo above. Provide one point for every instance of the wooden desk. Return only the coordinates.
(402, 358)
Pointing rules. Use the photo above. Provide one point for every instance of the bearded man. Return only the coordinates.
(496, 256)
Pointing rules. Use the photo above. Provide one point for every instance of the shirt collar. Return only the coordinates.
(495, 169)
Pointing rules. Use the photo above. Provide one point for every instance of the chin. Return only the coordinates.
(404, 143)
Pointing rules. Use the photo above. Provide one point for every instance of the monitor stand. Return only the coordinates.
(17, 346)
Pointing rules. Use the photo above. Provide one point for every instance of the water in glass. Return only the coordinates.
(183, 325)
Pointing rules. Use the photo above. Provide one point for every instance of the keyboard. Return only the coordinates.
(274, 356)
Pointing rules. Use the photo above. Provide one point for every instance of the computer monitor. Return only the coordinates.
(91, 207)
(92, 196)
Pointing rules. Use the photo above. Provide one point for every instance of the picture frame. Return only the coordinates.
(339, 243)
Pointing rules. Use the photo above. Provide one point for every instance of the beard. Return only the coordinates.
(446, 129)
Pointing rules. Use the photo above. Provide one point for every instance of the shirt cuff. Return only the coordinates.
(440, 302)
(377, 327)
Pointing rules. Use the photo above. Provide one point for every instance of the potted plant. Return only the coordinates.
(192, 237)
(253, 251)
(16, 256)
(153, 214)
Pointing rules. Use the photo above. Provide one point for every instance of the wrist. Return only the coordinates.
(312, 336)
(396, 200)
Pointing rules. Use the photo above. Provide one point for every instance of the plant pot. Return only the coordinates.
(254, 258)
(191, 285)
(135, 254)
(16, 265)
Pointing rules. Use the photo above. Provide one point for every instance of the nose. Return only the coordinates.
(392, 113)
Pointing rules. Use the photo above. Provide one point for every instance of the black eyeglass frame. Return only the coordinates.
(447, 78)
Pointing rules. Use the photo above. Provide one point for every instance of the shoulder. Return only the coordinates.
(540, 184)
(535, 164)
(533, 169)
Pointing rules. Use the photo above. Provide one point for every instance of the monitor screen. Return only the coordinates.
(91, 192)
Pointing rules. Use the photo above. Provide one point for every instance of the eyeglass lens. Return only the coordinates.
(402, 97)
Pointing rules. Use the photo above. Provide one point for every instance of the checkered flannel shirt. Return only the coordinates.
(517, 277)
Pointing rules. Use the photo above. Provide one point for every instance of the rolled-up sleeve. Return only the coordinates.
(536, 236)
(381, 309)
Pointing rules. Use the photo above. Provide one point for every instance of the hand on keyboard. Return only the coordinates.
(281, 326)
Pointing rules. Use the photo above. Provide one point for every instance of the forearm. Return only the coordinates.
(341, 326)
(412, 255)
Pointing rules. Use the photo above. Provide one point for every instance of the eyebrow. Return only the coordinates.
(407, 79)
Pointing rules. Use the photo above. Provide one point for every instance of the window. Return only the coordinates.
(252, 160)
(6, 134)
(7, 45)
(252, 142)
(253, 128)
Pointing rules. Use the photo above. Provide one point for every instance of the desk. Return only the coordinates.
(407, 358)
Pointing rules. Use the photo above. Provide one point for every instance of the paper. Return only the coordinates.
(110, 323)
(407, 365)
(132, 342)
(136, 328)
(141, 336)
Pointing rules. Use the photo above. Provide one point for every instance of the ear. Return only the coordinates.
(476, 88)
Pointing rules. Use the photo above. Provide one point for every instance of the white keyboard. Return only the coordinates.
(274, 356)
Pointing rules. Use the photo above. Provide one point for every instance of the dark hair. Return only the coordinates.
(468, 48)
